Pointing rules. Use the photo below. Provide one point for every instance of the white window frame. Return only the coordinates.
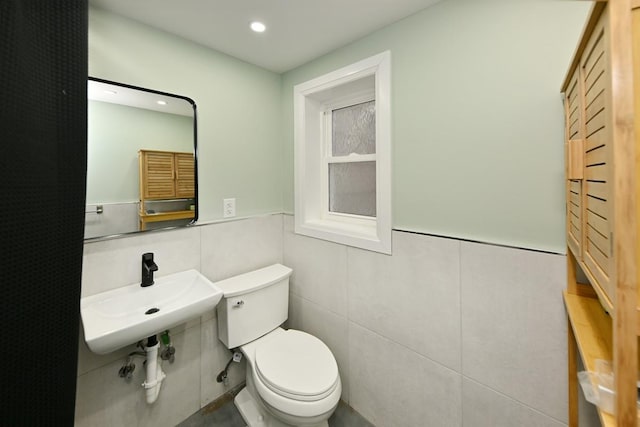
(363, 81)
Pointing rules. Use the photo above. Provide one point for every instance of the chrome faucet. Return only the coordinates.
(148, 267)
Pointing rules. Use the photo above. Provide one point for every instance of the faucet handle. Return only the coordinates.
(148, 267)
(147, 259)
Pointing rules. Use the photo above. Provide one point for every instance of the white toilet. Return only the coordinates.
(292, 376)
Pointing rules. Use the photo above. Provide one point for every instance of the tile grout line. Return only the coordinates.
(348, 328)
(440, 364)
(480, 242)
(513, 399)
(202, 332)
(282, 233)
(201, 326)
(461, 335)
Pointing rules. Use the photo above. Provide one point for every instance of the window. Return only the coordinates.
(350, 159)
(342, 155)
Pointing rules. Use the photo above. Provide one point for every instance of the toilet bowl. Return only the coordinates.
(292, 376)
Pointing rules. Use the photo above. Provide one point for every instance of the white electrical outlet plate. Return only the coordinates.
(229, 208)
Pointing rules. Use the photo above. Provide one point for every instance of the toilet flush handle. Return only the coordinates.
(238, 304)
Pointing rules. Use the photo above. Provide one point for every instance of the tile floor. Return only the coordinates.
(223, 413)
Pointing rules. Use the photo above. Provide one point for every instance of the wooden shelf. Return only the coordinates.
(166, 216)
(602, 112)
(593, 334)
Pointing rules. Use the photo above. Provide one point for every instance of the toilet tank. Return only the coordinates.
(253, 304)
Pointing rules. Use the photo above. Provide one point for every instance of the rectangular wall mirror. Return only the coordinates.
(141, 160)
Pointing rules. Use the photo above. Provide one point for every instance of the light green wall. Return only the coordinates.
(115, 133)
(476, 117)
(239, 116)
(476, 114)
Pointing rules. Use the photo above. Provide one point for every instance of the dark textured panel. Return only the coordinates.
(43, 72)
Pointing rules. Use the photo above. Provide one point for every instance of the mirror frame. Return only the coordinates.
(195, 159)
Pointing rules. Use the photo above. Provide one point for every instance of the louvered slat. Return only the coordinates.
(597, 189)
(158, 167)
(597, 157)
(596, 173)
(575, 215)
(596, 140)
(185, 182)
(595, 123)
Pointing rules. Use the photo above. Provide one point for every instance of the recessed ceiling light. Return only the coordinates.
(258, 27)
(162, 102)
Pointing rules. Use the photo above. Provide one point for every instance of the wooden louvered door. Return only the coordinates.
(157, 175)
(573, 159)
(166, 175)
(595, 77)
(588, 153)
(185, 176)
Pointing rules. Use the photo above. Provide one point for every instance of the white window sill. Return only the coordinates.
(365, 236)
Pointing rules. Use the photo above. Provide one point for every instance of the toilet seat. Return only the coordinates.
(297, 365)
(283, 355)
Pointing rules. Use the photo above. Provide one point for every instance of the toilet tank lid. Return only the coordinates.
(253, 280)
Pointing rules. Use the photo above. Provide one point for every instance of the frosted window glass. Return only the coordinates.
(352, 188)
(354, 129)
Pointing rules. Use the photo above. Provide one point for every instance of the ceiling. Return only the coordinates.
(138, 98)
(297, 30)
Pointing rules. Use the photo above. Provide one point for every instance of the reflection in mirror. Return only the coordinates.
(141, 160)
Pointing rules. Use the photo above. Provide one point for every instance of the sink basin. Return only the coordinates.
(123, 316)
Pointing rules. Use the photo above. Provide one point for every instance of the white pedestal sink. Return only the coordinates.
(123, 316)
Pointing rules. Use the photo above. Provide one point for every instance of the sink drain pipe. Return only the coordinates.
(154, 371)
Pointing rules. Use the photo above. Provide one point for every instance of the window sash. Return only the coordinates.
(351, 158)
(328, 158)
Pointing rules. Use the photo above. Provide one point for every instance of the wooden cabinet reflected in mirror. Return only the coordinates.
(142, 165)
(166, 177)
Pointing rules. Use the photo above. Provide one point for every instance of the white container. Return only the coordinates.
(598, 386)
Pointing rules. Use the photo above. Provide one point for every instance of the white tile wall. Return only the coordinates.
(115, 218)
(213, 358)
(320, 273)
(115, 263)
(483, 325)
(217, 250)
(483, 407)
(442, 333)
(391, 385)
(235, 247)
(295, 312)
(514, 334)
(325, 324)
(105, 399)
(412, 297)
